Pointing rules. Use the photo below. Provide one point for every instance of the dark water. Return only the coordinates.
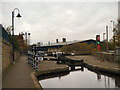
(82, 79)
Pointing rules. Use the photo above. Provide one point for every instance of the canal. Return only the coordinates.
(82, 79)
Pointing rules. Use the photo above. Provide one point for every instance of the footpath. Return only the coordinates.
(22, 75)
(95, 63)
(18, 75)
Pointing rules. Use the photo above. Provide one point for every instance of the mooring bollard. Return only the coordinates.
(37, 64)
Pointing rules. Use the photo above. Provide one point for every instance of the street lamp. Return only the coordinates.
(103, 37)
(13, 29)
(107, 38)
(114, 32)
(26, 39)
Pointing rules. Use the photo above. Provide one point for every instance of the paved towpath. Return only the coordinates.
(18, 75)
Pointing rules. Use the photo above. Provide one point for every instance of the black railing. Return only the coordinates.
(33, 60)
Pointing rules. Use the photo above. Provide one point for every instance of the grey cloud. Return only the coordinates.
(75, 21)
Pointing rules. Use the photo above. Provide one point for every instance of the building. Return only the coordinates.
(21, 43)
(58, 45)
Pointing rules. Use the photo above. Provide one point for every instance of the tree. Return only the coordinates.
(78, 47)
(116, 37)
(9, 29)
(16, 43)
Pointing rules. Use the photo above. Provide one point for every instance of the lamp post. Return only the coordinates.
(13, 29)
(26, 40)
(113, 34)
(107, 38)
(103, 37)
(27, 43)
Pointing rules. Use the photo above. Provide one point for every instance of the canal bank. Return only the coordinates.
(94, 63)
(48, 69)
(80, 79)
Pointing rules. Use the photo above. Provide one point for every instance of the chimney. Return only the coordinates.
(49, 43)
(56, 40)
(64, 39)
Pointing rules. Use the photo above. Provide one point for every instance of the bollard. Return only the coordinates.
(36, 64)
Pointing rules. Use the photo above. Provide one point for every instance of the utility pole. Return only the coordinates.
(26, 38)
(107, 38)
(114, 32)
(13, 16)
(103, 36)
(26, 41)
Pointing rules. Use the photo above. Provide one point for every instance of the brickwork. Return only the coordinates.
(7, 54)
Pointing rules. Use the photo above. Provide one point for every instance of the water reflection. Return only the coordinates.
(82, 79)
(76, 68)
(117, 81)
(98, 76)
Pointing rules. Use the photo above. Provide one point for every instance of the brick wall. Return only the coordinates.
(7, 54)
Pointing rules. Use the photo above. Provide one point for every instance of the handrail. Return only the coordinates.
(33, 60)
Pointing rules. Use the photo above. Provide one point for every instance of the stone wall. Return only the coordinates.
(7, 54)
(104, 56)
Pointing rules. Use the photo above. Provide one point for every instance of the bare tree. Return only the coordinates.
(9, 29)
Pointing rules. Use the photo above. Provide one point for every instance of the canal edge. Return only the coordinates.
(35, 80)
(52, 71)
(102, 69)
(34, 75)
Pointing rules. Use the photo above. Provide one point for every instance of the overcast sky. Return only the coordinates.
(47, 21)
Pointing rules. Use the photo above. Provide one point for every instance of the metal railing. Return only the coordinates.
(33, 60)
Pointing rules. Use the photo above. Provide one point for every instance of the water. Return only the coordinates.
(82, 79)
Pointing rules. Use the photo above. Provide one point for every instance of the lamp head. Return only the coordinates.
(18, 15)
(28, 33)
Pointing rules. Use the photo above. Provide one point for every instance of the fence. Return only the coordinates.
(34, 58)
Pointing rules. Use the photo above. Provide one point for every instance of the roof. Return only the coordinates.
(58, 44)
(90, 41)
